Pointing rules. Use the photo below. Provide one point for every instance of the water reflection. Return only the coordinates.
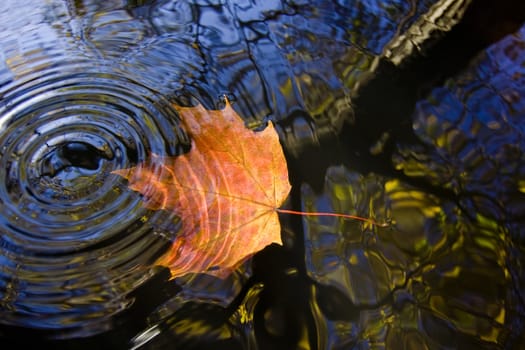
(73, 243)
(424, 275)
(87, 88)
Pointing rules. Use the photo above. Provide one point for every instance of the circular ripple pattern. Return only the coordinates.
(73, 244)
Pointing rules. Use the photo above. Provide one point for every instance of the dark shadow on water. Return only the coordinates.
(384, 105)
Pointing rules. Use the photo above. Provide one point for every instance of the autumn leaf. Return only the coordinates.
(226, 190)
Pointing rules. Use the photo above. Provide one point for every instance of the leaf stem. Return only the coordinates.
(346, 216)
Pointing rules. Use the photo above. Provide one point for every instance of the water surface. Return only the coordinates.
(404, 112)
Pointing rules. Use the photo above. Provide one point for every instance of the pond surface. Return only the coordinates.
(406, 112)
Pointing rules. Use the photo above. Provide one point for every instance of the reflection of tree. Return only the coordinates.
(424, 276)
(386, 119)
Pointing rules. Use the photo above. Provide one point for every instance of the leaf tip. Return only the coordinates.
(125, 172)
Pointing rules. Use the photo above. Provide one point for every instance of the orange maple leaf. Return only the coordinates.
(226, 190)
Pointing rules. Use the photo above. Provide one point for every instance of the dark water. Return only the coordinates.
(409, 112)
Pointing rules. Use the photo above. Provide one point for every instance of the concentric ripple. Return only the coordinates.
(73, 244)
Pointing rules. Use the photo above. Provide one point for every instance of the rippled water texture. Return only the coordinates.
(73, 244)
(448, 273)
(88, 87)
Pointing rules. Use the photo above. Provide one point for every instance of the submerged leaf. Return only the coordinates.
(225, 189)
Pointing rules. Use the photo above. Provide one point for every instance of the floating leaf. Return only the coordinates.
(226, 190)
